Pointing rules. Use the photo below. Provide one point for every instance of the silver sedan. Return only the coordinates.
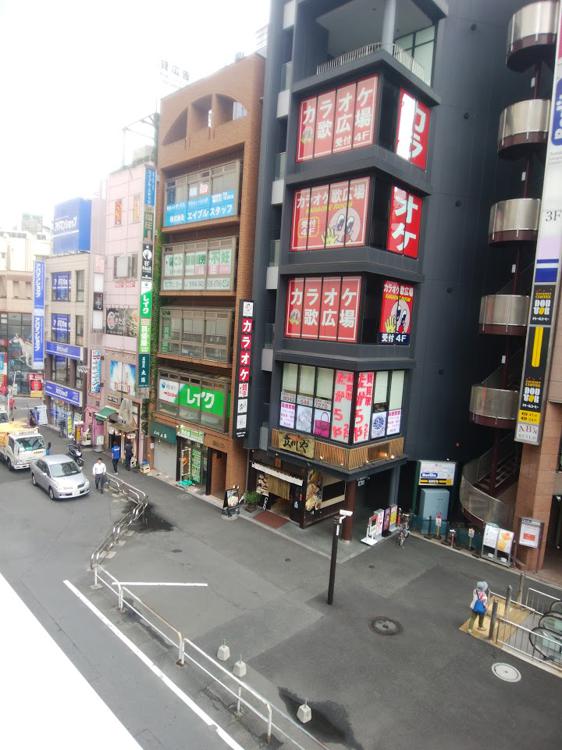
(60, 476)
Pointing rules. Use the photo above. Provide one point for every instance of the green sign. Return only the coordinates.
(144, 337)
(206, 400)
(196, 436)
(144, 370)
(146, 305)
(163, 432)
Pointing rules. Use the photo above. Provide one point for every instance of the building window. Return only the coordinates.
(60, 328)
(61, 286)
(342, 406)
(125, 266)
(80, 286)
(205, 264)
(195, 333)
(420, 45)
(61, 370)
(238, 111)
(118, 212)
(79, 330)
(195, 398)
(202, 196)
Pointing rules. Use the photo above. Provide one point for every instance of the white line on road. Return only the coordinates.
(197, 710)
(156, 583)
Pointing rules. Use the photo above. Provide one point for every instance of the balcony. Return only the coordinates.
(515, 220)
(504, 314)
(523, 124)
(369, 49)
(492, 406)
(272, 273)
(278, 186)
(531, 34)
(344, 458)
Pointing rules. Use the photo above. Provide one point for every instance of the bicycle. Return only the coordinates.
(404, 531)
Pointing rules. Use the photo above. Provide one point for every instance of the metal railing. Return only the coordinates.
(539, 601)
(243, 693)
(539, 645)
(369, 49)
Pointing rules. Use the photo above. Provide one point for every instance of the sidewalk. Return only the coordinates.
(426, 687)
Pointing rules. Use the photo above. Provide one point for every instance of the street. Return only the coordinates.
(426, 687)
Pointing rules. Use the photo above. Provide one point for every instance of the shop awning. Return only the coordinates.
(279, 474)
(104, 414)
(124, 427)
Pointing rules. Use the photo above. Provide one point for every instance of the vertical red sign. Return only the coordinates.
(396, 313)
(324, 124)
(301, 205)
(356, 218)
(350, 299)
(341, 413)
(293, 318)
(329, 310)
(245, 344)
(318, 217)
(337, 214)
(363, 405)
(365, 108)
(404, 223)
(413, 130)
(345, 111)
(311, 308)
(420, 136)
(307, 124)
(404, 314)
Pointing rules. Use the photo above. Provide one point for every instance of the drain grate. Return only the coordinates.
(385, 626)
(506, 672)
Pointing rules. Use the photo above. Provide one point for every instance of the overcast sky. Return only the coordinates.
(75, 73)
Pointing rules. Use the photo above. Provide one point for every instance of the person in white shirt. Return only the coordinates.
(99, 471)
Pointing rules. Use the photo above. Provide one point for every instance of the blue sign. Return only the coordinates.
(60, 285)
(60, 326)
(556, 135)
(71, 227)
(149, 187)
(65, 350)
(202, 208)
(38, 340)
(39, 285)
(70, 395)
(144, 370)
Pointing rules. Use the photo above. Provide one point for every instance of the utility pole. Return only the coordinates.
(333, 560)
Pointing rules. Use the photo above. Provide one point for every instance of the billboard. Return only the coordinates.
(546, 279)
(122, 377)
(38, 332)
(341, 416)
(71, 226)
(396, 313)
(95, 370)
(412, 133)
(60, 286)
(337, 120)
(331, 216)
(325, 308)
(244, 366)
(122, 321)
(404, 223)
(146, 287)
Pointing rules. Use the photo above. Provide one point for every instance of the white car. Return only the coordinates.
(59, 476)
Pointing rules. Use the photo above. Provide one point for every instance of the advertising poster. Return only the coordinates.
(287, 415)
(321, 425)
(350, 299)
(301, 206)
(318, 217)
(393, 423)
(325, 113)
(307, 124)
(311, 308)
(530, 533)
(505, 541)
(396, 313)
(95, 370)
(491, 533)
(357, 208)
(35, 381)
(337, 214)
(404, 223)
(220, 268)
(437, 473)
(122, 321)
(293, 317)
(60, 286)
(122, 377)
(60, 326)
(304, 418)
(195, 264)
(363, 403)
(345, 112)
(341, 415)
(331, 288)
(413, 130)
(378, 424)
(365, 107)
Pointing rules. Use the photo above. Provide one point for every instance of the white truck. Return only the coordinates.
(20, 445)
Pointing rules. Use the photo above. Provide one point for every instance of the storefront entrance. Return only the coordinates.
(193, 461)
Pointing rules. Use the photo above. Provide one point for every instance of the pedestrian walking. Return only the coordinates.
(62, 425)
(128, 454)
(99, 472)
(478, 605)
(115, 456)
(48, 450)
(11, 404)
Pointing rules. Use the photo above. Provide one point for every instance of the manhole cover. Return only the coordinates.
(385, 626)
(506, 672)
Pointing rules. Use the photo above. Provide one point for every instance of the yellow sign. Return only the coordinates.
(529, 417)
(295, 443)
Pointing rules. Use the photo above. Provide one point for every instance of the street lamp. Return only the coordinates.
(336, 535)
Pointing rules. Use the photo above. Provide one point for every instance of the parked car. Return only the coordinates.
(60, 476)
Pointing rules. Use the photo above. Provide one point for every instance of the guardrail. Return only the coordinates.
(232, 685)
(539, 601)
(537, 644)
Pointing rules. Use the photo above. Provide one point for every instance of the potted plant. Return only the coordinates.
(251, 500)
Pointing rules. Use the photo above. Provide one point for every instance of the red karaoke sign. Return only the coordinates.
(325, 308)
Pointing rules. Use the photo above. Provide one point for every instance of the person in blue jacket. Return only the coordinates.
(115, 456)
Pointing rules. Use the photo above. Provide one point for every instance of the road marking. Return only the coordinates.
(157, 583)
(197, 710)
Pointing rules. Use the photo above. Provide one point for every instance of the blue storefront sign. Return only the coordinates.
(202, 208)
(65, 350)
(60, 326)
(144, 370)
(71, 226)
(62, 392)
(149, 187)
(38, 332)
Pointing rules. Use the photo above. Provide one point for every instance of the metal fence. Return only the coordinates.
(538, 644)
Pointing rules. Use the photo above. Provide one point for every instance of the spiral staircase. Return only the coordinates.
(513, 228)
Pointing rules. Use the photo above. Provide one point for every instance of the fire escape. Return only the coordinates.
(513, 228)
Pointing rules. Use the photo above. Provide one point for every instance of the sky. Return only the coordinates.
(73, 74)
